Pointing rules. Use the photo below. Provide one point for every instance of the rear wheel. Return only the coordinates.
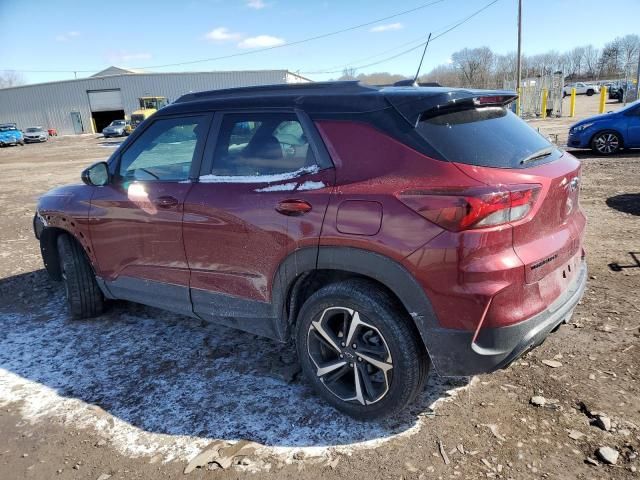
(590, 92)
(359, 350)
(606, 143)
(83, 294)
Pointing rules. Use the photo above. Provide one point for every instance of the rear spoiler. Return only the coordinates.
(418, 105)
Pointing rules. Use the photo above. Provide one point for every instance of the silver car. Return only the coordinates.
(35, 134)
(117, 128)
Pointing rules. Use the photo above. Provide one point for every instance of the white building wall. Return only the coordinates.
(51, 104)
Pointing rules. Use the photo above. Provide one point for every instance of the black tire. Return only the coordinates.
(590, 92)
(84, 297)
(383, 332)
(606, 142)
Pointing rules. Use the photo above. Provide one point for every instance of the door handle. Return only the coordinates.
(293, 208)
(166, 201)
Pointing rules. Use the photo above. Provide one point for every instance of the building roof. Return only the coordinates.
(113, 70)
(140, 73)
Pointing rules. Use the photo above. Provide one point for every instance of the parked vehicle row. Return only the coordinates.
(10, 134)
(384, 230)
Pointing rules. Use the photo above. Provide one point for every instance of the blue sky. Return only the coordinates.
(91, 35)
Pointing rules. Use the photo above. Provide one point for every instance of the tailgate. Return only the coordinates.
(549, 238)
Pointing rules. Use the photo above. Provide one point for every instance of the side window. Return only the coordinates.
(261, 144)
(165, 151)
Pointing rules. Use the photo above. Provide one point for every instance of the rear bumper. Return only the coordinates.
(455, 353)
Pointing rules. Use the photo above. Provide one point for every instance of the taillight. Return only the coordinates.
(459, 209)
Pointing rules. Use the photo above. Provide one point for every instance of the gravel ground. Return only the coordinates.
(137, 393)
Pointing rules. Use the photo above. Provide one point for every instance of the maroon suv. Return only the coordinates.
(383, 229)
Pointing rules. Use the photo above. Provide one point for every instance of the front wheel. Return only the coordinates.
(606, 143)
(84, 297)
(590, 92)
(359, 350)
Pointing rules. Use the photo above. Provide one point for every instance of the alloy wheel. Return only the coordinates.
(351, 357)
(607, 143)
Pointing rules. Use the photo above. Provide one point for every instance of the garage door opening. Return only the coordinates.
(106, 106)
(103, 119)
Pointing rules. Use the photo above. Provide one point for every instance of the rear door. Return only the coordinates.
(136, 220)
(262, 195)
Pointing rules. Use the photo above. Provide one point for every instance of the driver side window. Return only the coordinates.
(261, 144)
(165, 151)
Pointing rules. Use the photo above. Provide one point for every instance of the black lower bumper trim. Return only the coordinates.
(454, 353)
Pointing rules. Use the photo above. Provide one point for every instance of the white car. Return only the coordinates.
(581, 89)
(35, 134)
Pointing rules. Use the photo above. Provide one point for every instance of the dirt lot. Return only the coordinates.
(137, 393)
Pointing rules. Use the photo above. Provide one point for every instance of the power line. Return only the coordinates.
(259, 50)
(421, 45)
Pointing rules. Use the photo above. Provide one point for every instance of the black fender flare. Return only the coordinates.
(48, 237)
(380, 268)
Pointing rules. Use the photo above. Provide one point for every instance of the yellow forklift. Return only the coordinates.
(148, 106)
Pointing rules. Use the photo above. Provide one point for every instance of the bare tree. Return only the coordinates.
(348, 74)
(629, 47)
(445, 75)
(591, 55)
(11, 78)
(610, 59)
(475, 65)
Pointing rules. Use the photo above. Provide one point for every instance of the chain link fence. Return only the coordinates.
(532, 91)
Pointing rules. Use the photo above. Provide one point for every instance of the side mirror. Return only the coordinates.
(97, 175)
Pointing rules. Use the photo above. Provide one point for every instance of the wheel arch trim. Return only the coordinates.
(375, 266)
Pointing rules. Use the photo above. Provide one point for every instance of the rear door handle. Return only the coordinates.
(293, 208)
(166, 201)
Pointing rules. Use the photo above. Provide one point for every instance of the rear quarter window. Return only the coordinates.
(488, 137)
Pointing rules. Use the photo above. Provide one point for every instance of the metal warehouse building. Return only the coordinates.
(87, 105)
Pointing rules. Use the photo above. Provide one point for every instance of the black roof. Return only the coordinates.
(342, 97)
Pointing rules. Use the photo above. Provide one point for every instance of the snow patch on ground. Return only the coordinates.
(153, 382)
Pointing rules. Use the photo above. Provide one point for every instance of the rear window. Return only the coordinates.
(487, 137)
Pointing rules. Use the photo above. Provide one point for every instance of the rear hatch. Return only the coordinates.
(492, 145)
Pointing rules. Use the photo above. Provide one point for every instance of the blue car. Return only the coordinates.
(606, 134)
(10, 135)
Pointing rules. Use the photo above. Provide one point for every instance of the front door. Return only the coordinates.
(633, 128)
(136, 221)
(263, 196)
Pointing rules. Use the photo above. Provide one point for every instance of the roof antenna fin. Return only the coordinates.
(415, 79)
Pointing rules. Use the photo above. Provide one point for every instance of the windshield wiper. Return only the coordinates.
(545, 152)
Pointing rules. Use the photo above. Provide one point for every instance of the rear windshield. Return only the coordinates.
(487, 137)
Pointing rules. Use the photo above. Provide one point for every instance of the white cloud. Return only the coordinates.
(65, 37)
(256, 4)
(125, 57)
(387, 27)
(222, 34)
(261, 41)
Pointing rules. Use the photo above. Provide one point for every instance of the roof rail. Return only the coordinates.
(336, 88)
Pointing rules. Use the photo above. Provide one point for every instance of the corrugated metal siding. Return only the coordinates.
(51, 104)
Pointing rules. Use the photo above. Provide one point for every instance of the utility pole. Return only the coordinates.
(519, 60)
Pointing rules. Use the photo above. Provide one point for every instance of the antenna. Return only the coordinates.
(415, 79)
